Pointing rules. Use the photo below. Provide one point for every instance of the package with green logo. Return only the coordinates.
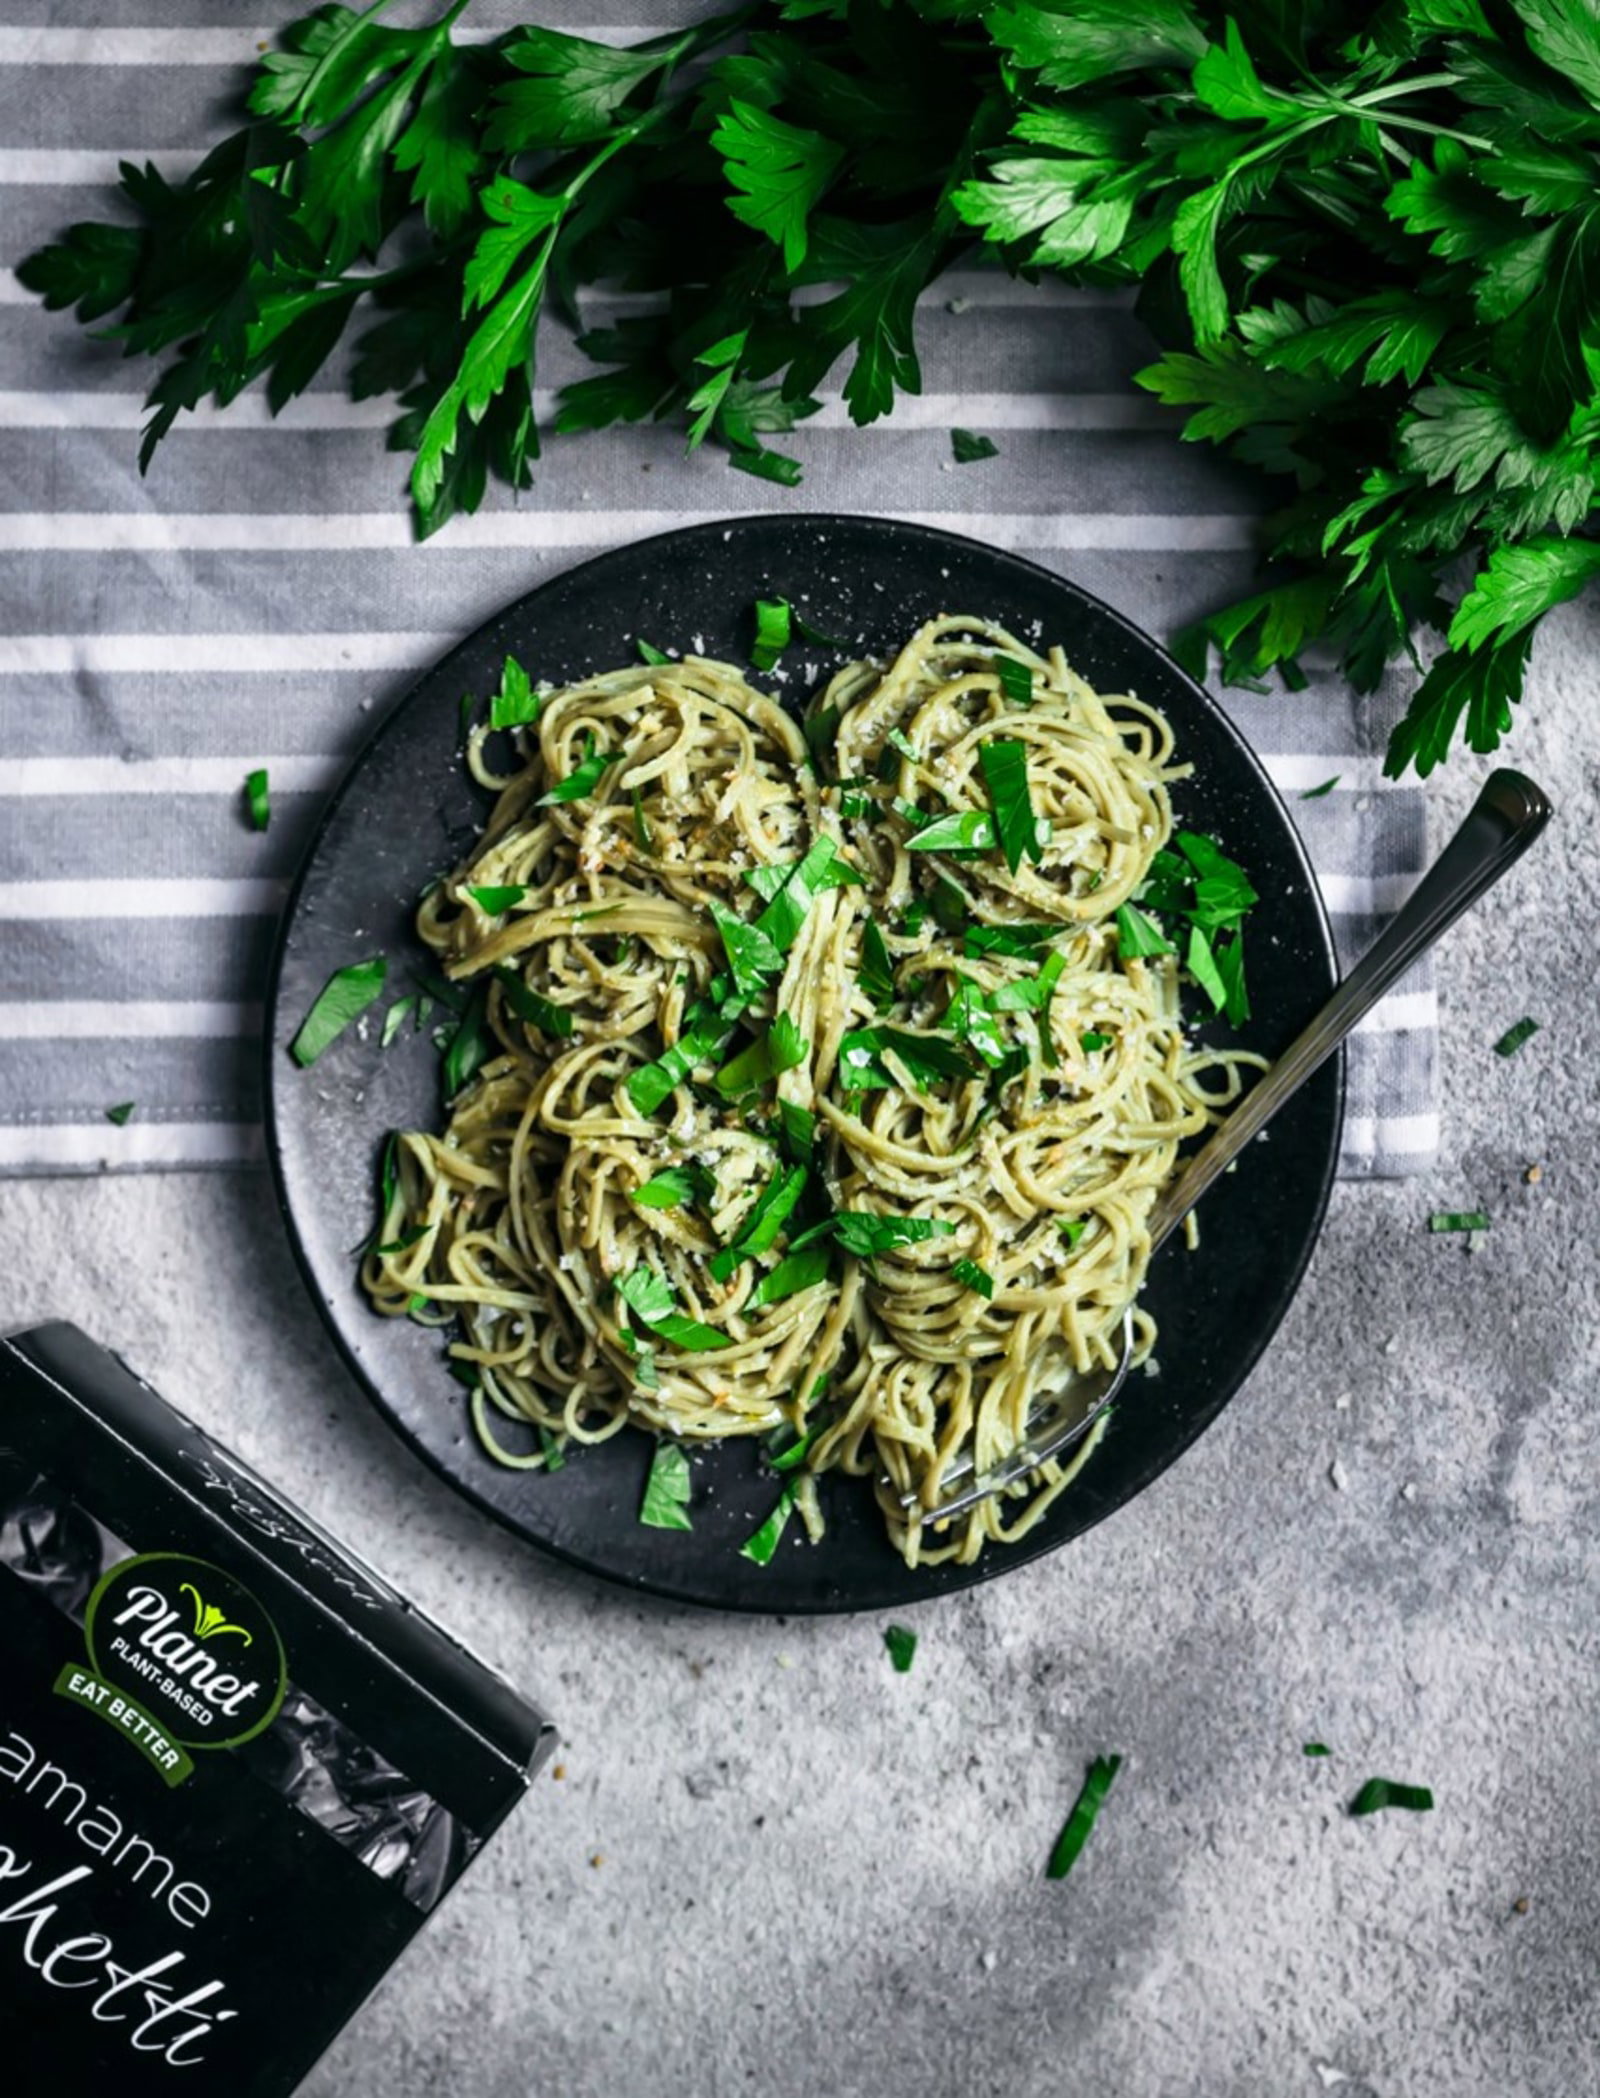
(237, 1771)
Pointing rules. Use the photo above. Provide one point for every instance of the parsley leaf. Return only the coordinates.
(971, 1276)
(1380, 1792)
(121, 1113)
(795, 1272)
(772, 632)
(530, 1006)
(666, 1490)
(1137, 934)
(780, 172)
(581, 782)
(901, 1642)
(343, 998)
(1005, 771)
(516, 704)
(779, 1049)
(649, 1296)
(255, 788)
(764, 1543)
(673, 1188)
(1514, 1037)
(967, 447)
(1075, 1830)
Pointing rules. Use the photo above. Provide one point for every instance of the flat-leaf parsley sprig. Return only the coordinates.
(1368, 240)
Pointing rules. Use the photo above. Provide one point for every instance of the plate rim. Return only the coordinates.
(956, 1579)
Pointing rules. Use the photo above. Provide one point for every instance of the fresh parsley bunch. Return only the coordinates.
(1369, 238)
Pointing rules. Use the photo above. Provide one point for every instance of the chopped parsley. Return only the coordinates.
(1010, 940)
(1137, 934)
(925, 1057)
(395, 1018)
(865, 1234)
(1093, 1040)
(902, 1644)
(820, 729)
(751, 955)
(666, 1491)
(1327, 787)
(767, 1217)
(1202, 966)
(764, 1543)
(705, 1033)
(1316, 1748)
(1514, 1037)
(470, 1046)
(530, 1006)
(791, 890)
(585, 776)
(971, 1276)
(876, 974)
(799, 1125)
(779, 1049)
(641, 825)
(674, 1188)
(497, 897)
(121, 1112)
(967, 447)
(773, 632)
(786, 1460)
(964, 830)
(1033, 993)
(1072, 1229)
(1075, 1830)
(648, 652)
(650, 1297)
(343, 998)
(516, 704)
(1380, 1792)
(1016, 680)
(1005, 772)
(795, 1272)
(255, 788)
(1459, 1220)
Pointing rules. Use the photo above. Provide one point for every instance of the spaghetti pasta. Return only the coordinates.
(826, 1096)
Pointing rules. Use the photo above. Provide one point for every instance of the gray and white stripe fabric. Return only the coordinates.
(258, 601)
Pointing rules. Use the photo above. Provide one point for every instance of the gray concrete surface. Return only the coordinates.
(774, 1866)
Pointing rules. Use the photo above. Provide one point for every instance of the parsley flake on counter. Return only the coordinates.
(666, 1490)
(902, 1644)
(516, 704)
(255, 788)
(1380, 1792)
(1459, 1220)
(1075, 1830)
(1316, 1748)
(764, 1543)
(967, 447)
(343, 998)
(121, 1112)
(1514, 1037)
(1327, 787)
(584, 778)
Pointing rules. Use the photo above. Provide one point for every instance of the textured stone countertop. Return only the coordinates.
(774, 1866)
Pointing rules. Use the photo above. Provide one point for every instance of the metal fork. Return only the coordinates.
(1503, 822)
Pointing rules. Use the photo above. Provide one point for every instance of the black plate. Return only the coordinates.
(406, 810)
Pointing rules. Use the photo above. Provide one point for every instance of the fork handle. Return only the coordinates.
(1502, 823)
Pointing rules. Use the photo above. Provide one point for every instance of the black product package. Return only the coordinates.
(237, 1770)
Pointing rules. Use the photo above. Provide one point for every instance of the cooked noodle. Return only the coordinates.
(1035, 1171)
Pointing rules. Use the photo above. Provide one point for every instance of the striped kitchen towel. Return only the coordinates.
(258, 597)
